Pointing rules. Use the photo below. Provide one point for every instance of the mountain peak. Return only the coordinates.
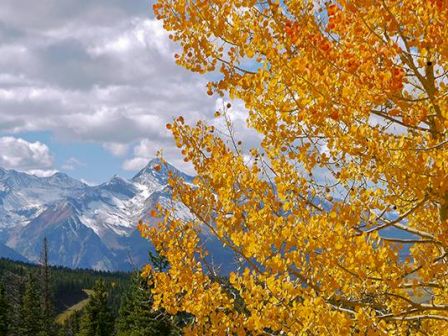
(63, 180)
(116, 178)
(119, 185)
(155, 161)
(85, 225)
(157, 171)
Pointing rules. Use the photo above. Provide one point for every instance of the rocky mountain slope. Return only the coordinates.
(86, 226)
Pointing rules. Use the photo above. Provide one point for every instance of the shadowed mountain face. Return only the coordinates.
(86, 226)
(9, 253)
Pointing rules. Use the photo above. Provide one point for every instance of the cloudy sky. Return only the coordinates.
(87, 86)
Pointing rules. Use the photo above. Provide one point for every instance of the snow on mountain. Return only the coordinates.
(149, 176)
(23, 197)
(95, 226)
(86, 226)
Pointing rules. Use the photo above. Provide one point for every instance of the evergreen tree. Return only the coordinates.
(136, 316)
(65, 288)
(71, 325)
(31, 312)
(4, 312)
(47, 299)
(97, 319)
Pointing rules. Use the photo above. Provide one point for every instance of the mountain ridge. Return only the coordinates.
(86, 226)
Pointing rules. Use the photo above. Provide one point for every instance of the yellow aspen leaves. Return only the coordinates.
(338, 224)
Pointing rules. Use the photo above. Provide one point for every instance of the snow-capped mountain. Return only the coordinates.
(86, 226)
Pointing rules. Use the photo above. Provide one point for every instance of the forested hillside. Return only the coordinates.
(105, 303)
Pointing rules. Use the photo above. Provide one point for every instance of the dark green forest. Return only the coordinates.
(35, 301)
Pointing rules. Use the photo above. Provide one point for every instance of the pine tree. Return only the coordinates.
(136, 316)
(46, 297)
(31, 312)
(4, 312)
(97, 319)
(72, 325)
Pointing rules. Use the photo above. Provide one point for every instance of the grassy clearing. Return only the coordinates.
(62, 317)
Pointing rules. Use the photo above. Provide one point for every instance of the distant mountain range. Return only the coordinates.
(86, 226)
(95, 226)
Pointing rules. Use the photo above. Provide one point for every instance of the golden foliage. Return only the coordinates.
(354, 91)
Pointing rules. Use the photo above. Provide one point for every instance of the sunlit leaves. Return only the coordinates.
(350, 99)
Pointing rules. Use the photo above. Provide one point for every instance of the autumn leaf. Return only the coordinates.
(349, 99)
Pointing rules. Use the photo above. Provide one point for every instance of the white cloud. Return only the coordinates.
(17, 153)
(237, 114)
(114, 82)
(143, 34)
(117, 149)
(72, 163)
(135, 163)
(147, 149)
(42, 172)
(101, 72)
(143, 152)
